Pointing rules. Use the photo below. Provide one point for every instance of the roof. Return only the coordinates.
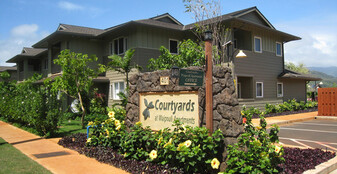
(239, 16)
(79, 29)
(163, 21)
(288, 74)
(28, 52)
(7, 68)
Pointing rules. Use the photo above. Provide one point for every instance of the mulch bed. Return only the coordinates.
(296, 160)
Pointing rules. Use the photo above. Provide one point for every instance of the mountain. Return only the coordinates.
(328, 80)
(327, 70)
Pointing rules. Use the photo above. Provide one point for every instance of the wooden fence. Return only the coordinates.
(327, 101)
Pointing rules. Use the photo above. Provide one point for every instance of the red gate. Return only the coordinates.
(327, 101)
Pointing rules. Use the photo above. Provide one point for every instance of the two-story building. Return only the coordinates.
(261, 77)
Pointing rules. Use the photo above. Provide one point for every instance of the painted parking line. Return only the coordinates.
(328, 146)
(309, 130)
(310, 141)
(318, 124)
(302, 144)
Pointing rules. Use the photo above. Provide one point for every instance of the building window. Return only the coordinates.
(257, 44)
(46, 63)
(115, 89)
(174, 46)
(279, 89)
(278, 49)
(259, 89)
(21, 66)
(118, 46)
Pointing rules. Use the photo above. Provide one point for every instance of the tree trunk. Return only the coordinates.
(83, 109)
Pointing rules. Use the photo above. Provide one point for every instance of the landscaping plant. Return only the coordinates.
(256, 151)
(190, 149)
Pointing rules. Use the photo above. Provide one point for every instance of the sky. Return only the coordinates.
(25, 22)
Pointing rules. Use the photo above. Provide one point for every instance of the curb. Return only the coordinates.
(324, 168)
(282, 123)
(326, 117)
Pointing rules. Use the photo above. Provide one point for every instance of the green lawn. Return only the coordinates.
(69, 127)
(13, 161)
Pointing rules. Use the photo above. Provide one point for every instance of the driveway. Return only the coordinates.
(310, 134)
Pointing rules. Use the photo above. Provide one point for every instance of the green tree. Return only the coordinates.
(190, 54)
(76, 78)
(300, 68)
(123, 64)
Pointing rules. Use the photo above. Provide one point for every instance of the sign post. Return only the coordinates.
(209, 83)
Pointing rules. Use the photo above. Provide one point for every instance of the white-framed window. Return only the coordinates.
(173, 44)
(259, 89)
(257, 44)
(278, 49)
(115, 89)
(279, 89)
(118, 46)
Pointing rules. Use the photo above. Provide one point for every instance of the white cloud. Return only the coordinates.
(21, 36)
(69, 6)
(318, 46)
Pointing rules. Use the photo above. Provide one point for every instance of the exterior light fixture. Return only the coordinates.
(241, 54)
(175, 71)
(208, 35)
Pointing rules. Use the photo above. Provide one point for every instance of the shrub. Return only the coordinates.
(30, 105)
(191, 149)
(255, 151)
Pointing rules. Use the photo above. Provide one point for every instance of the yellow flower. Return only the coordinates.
(117, 122)
(168, 143)
(184, 129)
(91, 123)
(139, 123)
(107, 131)
(88, 140)
(118, 127)
(111, 114)
(153, 154)
(160, 139)
(277, 149)
(188, 143)
(215, 163)
(258, 127)
(242, 113)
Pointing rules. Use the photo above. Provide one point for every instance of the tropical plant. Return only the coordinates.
(76, 78)
(190, 54)
(123, 64)
(256, 151)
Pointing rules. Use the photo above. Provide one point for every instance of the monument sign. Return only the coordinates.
(158, 109)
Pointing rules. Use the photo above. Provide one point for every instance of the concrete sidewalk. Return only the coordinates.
(52, 156)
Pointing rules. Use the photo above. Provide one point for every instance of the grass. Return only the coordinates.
(69, 127)
(13, 161)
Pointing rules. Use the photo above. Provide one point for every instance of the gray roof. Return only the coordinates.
(7, 68)
(288, 74)
(79, 29)
(28, 52)
(163, 21)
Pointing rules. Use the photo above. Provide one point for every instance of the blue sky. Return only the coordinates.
(24, 22)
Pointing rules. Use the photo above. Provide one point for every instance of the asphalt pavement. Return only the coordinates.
(310, 134)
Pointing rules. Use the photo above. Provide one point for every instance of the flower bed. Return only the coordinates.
(296, 160)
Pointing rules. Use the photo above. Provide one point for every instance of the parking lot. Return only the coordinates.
(310, 134)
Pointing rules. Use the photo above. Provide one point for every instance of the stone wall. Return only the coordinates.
(226, 110)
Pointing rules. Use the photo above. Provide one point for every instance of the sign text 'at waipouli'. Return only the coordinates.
(159, 110)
